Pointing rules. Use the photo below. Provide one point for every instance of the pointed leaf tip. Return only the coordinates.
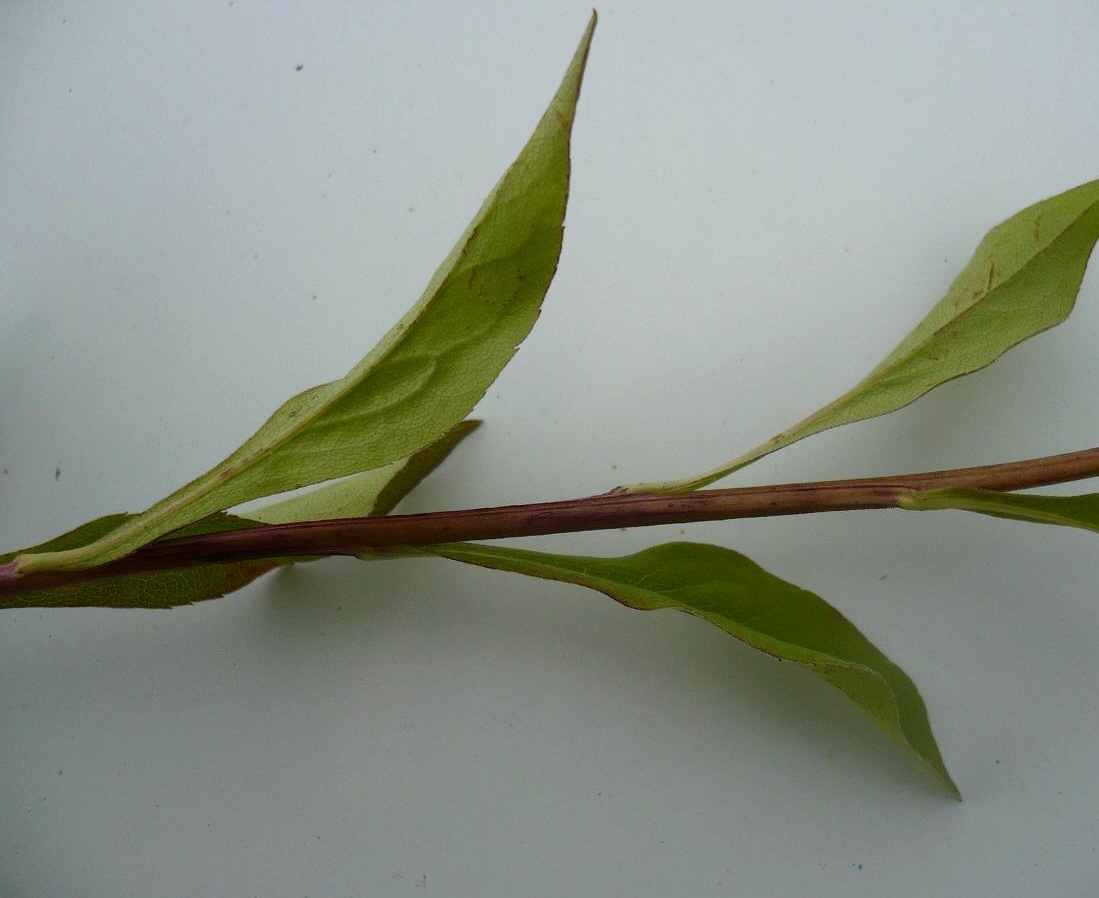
(425, 374)
(738, 596)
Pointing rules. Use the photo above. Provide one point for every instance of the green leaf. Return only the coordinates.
(1022, 280)
(1065, 511)
(165, 589)
(371, 493)
(734, 593)
(425, 374)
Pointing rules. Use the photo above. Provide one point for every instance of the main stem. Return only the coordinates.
(351, 536)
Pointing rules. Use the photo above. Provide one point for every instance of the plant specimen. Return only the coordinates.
(364, 441)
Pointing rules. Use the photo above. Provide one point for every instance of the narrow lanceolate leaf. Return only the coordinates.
(1022, 280)
(737, 595)
(1065, 511)
(425, 374)
(371, 493)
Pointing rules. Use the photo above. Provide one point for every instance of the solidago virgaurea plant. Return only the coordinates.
(370, 437)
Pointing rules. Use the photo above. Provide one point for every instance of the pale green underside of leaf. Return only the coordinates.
(371, 493)
(737, 595)
(1065, 511)
(366, 494)
(422, 378)
(1022, 280)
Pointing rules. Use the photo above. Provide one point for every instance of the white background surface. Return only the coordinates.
(766, 197)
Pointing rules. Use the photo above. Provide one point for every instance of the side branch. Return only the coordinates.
(352, 536)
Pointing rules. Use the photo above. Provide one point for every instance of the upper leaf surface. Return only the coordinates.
(1022, 279)
(425, 374)
(734, 593)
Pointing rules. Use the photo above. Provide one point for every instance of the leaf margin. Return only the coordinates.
(226, 485)
(977, 281)
(912, 729)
